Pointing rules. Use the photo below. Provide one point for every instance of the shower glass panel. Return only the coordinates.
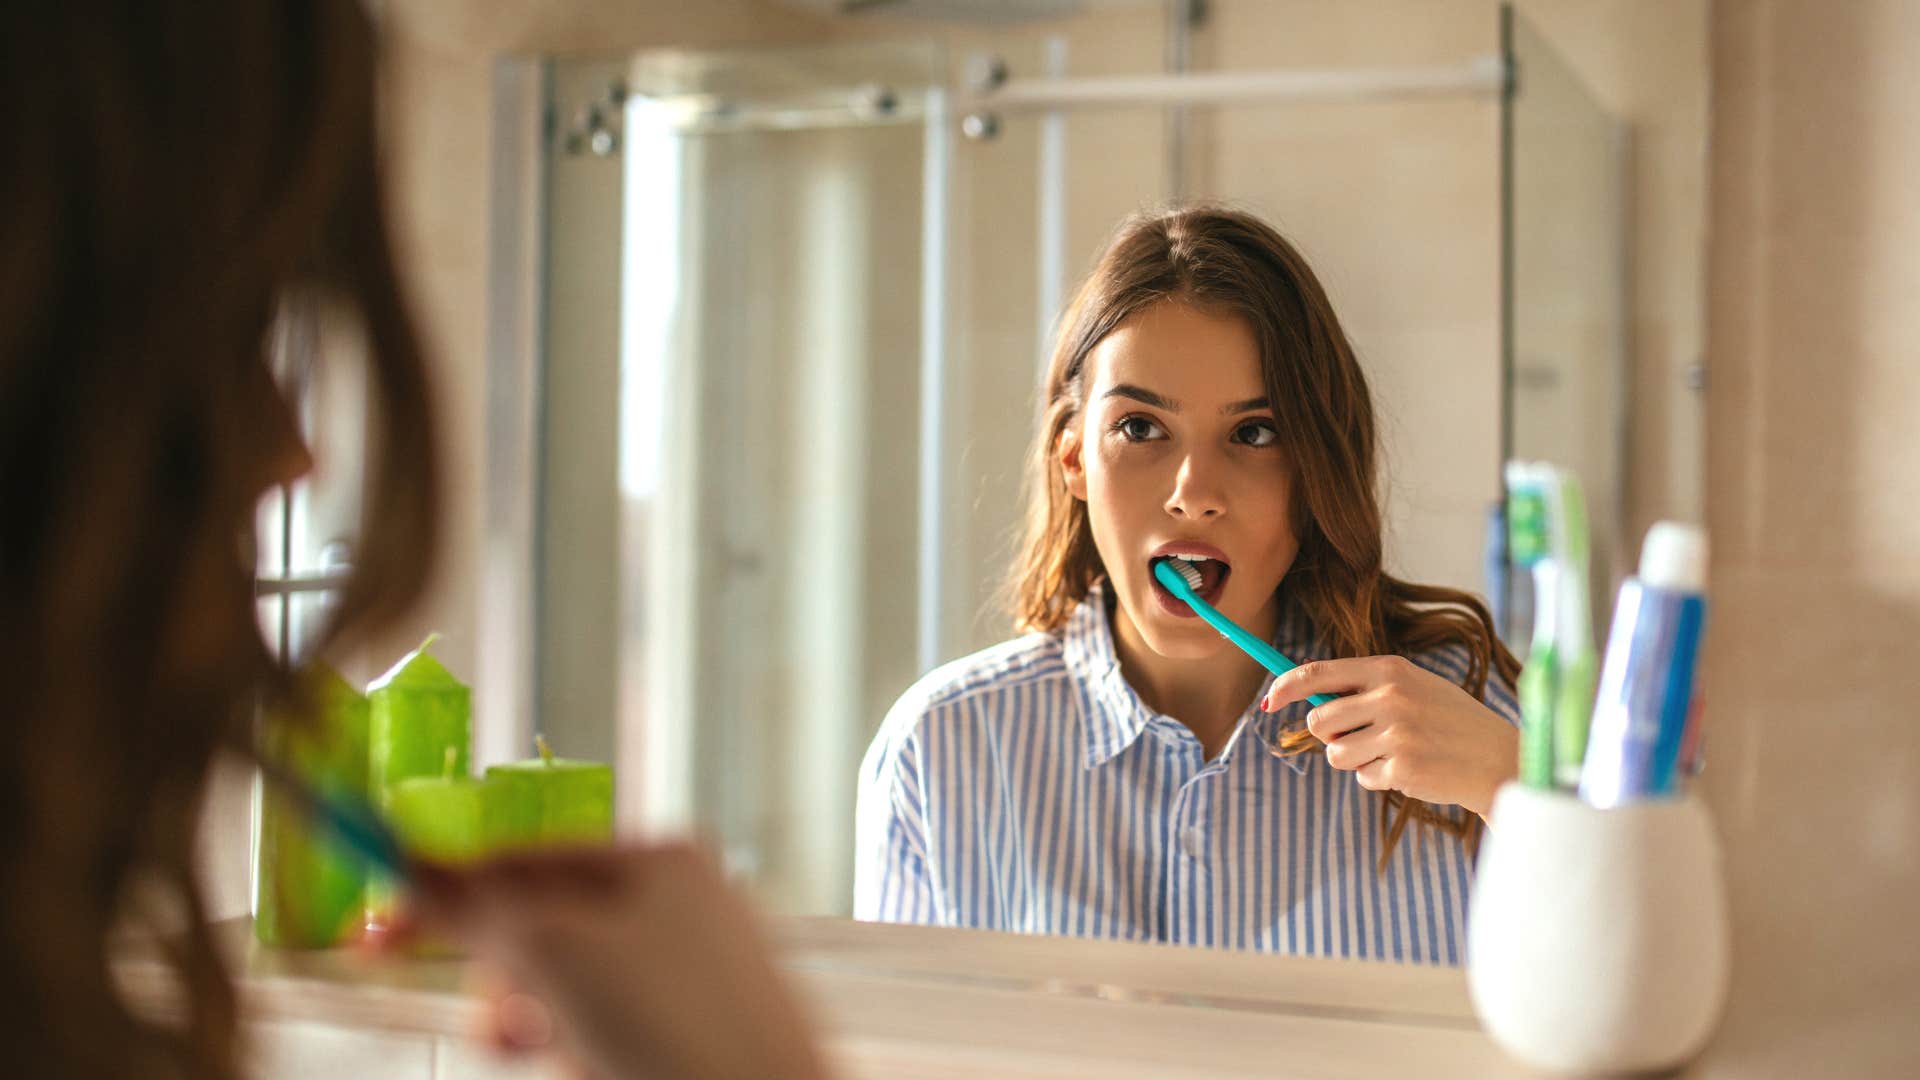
(772, 244)
(1565, 169)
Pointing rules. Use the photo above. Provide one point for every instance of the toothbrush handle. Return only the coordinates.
(1268, 656)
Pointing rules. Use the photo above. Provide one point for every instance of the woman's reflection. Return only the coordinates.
(1108, 774)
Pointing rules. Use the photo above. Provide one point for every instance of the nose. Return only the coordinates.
(1197, 493)
(283, 455)
(291, 459)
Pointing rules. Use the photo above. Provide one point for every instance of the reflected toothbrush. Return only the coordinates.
(1183, 581)
(1546, 519)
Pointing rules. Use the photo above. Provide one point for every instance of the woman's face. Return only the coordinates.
(1177, 452)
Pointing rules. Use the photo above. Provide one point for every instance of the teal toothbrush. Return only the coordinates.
(345, 815)
(1175, 576)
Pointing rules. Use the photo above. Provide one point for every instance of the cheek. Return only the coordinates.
(1262, 500)
(1121, 506)
(1123, 487)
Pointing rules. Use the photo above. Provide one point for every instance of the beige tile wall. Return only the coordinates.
(1811, 494)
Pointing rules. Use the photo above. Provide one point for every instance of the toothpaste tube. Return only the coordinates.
(1641, 716)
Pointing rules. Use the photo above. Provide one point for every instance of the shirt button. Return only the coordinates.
(1193, 842)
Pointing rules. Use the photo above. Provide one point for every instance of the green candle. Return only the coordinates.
(418, 715)
(550, 800)
(308, 891)
(440, 817)
(443, 818)
(418, 711)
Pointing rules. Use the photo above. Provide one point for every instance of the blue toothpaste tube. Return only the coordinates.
(1640, 717)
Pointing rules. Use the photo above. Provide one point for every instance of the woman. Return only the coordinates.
(179, 175)
(1108, 774)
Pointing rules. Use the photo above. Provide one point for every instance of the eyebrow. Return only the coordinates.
(1160, 401)
(1142, 395)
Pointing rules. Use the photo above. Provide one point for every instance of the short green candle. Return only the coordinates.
(549, 800)
(443, 818)
(308, 891)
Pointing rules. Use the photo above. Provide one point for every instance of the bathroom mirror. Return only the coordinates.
(790, 306)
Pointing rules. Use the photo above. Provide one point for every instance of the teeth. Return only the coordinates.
(1191, 558)
(1188, 574)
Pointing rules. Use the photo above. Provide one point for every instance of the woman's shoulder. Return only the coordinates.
(958, 694)
(1017, 662)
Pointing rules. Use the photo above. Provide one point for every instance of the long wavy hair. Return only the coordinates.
(180, 175)
(1228, 262)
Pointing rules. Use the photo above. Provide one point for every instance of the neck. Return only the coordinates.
(1208, 694)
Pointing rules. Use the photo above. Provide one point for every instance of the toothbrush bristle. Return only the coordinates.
(1527, 527)
(1187, 573)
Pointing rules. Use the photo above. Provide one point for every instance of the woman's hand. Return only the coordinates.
(1403, 728)
(639, 961)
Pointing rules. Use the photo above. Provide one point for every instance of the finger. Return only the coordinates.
(1376, 775)
(1356, 751)
(559, 882)
(1322, 677)
(581, 873)
(399, 932)
(434, 892)
(1340, 717)
(518, 1024)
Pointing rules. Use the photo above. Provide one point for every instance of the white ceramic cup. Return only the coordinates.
(1598, 939)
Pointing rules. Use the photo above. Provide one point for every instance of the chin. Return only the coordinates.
(1185, 646)
(1176, 637)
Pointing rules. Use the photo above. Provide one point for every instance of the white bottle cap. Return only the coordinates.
(1675, 557)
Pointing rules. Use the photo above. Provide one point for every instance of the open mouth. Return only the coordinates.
(1211, 571)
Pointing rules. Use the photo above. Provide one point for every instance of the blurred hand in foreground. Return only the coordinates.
(637, 960)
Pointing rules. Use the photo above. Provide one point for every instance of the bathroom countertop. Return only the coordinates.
(918, 1001)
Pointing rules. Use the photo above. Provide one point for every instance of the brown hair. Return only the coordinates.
(178, 175)
(1226, 261)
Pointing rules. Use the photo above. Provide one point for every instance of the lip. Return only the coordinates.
(1168, 602)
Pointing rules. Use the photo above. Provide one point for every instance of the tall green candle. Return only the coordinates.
(418, 714)
(308, 890)
(418, 710)
(549, 800)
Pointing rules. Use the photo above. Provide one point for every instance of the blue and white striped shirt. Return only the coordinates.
(1028, 788)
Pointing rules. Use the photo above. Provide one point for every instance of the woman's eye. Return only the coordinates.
(1138, 429)
(1256, 433)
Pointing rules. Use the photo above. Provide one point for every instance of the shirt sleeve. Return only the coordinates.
(890, 878)
(1451, 663)
(1501, 699)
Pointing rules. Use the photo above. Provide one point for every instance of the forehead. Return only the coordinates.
(1182, 352)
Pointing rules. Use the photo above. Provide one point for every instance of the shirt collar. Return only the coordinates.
(1116, 716)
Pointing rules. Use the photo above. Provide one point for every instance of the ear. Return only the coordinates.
(1073, 467)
